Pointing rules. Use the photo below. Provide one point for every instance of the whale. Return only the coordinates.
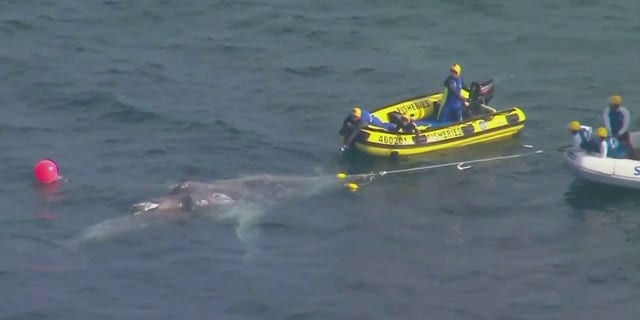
(240, 201)
(190, 196)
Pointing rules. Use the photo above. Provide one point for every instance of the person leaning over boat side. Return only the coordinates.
(610, 146)
(616, 120)
(359, 119)
(581, 135)
(452, 99)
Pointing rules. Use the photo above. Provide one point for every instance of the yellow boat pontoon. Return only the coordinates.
(481, 123)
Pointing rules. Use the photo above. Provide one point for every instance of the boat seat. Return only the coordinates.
(436, 107)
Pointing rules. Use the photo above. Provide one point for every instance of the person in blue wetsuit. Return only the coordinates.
(359, 119)
(610, 146)
(581, 135)
(452, 101)
(616, 120)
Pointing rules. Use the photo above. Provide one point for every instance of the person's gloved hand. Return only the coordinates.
(343, 148)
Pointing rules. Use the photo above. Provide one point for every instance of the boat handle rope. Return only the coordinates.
(460, 165)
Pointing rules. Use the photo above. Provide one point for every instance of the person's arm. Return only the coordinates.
(415, 129)
(625, 121)
(345, 121)
(605, 120)
(360, 126)
(345, 125)
(345, 128)
(452, 88)
(603, 149)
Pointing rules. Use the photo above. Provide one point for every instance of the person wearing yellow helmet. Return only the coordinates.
(581, 134)
(355, 121)
(610, 146)
(452, 99)
(403, 122)
(602, 133)
(616, 119)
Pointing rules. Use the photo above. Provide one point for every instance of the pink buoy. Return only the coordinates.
(46, 171)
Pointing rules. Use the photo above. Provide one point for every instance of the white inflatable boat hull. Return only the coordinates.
(617, 172)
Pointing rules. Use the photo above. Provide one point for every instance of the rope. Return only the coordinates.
(558, 148)
(462, 165)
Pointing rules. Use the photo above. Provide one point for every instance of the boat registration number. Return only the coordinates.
(444, 134)
(392, 139)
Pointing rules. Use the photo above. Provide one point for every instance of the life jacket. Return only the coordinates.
(616, 119)
(584, 134)
(615, 149)
(589, 143)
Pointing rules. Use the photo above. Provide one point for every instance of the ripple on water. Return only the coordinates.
(14, 27)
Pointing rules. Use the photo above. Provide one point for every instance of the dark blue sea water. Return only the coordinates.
(132, 96)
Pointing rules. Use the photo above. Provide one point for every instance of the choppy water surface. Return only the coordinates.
(132, 96)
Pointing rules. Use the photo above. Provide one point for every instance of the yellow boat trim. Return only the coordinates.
(420, 107)
(379, 142)
(384, 151)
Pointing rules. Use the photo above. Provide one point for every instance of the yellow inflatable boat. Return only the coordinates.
(480, 124)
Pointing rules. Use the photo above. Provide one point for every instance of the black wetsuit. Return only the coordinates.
(408, 128)
(396, 119)
(356, 124)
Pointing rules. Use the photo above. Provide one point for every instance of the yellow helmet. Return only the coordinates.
(615, 100)
(456, 68)
(602, 132)
(574, 126)
(357, 112)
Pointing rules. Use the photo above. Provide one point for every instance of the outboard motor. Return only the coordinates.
(481, 91)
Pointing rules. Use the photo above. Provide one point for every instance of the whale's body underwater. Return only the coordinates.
(241, 201)
(263, 190)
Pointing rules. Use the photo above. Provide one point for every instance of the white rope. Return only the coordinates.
(462, 165)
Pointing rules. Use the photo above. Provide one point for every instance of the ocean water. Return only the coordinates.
(132, 96)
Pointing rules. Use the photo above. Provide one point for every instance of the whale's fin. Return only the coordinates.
(142, 207)
(111, 228)
(246, 219)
